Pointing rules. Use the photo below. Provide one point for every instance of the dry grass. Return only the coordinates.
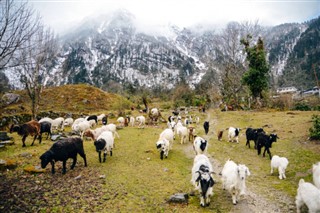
(137, 180)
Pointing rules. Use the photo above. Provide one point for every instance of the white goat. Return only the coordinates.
(164, 146)
(233, 133)
(168, 135)
(316, 174)
(81, 127)
(57, 123)
(202, 178)
(233, 179)
(121, 121)
(104, 143)
(308, 194)
(141, 121)
(132, 120)
(112, 128)
(281, 163)
(77, 121)
(200, 145)
(182, 132)
(68, 122)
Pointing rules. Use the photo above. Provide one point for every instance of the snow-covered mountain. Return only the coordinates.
(114, 49)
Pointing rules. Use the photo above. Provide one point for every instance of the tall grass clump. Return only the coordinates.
(315, 130)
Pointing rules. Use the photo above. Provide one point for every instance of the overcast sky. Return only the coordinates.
(59, 14)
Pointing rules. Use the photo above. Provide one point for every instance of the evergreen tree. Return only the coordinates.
(256, 77)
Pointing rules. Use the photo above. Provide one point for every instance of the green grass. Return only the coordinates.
(138, 181)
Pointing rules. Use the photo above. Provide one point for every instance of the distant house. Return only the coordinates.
(313, 91)
(283, 90)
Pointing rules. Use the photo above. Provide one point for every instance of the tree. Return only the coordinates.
(35, 58)
(17, 26)
(256, 77)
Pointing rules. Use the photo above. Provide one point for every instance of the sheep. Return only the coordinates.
(265, 141)
(121, 121)
(30, 128)
(104, 143)
(316, 174)
(182, 131)
(233, 134)
(206, 127)
(202, 178)
(252, 134)
(68, 122)
(233, 179)
(141, 121)
(167, 134)
(200, 145)
(309, 195)
(45, 126)
(77, 121)
(163, 146)
(62, 150)
(281, 163)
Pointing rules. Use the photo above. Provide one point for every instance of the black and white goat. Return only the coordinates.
(104, 143)
(200, 145)
(202, 178)
(233, 134)
(266, 141)
(163, 145)
(62, 150)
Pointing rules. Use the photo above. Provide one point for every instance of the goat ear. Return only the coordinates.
(199, 177)
(248, 172)
(211, 182)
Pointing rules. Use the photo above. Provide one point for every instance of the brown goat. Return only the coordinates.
(191, 133)
(30, 128)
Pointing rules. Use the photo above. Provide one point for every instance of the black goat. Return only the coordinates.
(62, 150)
(45, 127)
(30, 128)
(206, 127)
(265, 141)
(105, 120)
(252, 134)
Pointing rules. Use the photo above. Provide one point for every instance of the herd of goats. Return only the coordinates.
(233, 175)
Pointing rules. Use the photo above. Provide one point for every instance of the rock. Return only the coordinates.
(7, 164)
(33, 169)
(6, 143)
(10, 98)
(55, 137)
(26, 155)
(102, 176)
(179, 198)
(78, 177)
(4, 136)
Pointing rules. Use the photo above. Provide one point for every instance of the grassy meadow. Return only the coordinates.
(134, 179)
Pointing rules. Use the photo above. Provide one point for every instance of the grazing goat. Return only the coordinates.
(104, 143)
(68, 122)
(62, 150)
(30, 128)
(233, 134)
(141, 121)
(57, 123)
(309, 195)
(167, 134)
(182, 132)
(163, 146)
(206, 127)
(281, 163)
(132, 120)
(202, 178)
(100, 117)
(81, 127)
(200, 145)
(92, 117)
(316, 174)
(112, 128)
(265, 141)
(234, 179)
(45, 126)
(154, 115)
(252, 134)
(121, 121)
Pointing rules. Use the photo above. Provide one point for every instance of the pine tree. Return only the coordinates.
(256, 77)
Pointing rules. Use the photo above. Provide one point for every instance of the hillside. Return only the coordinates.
(76, 99)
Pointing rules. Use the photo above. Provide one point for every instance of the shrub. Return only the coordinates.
(302, 107)
(315, 130)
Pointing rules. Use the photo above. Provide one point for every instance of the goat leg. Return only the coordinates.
(74, 162)
(23, 140)
(100, 156)
(34, 138)
(52, 167)
(64, 169)
(104, 157)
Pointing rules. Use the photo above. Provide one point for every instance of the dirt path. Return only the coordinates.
(253, 201)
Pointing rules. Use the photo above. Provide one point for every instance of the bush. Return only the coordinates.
(302, 107)
(315, 130)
